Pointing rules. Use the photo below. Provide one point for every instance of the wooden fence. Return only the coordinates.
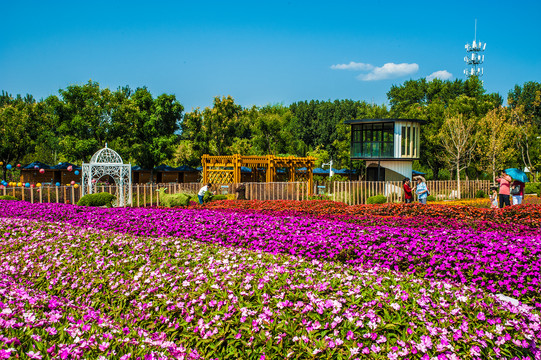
(357, 192)
(349, 192)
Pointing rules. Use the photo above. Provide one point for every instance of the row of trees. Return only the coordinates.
(467, 130)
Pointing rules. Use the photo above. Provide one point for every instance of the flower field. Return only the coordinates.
(270, 281)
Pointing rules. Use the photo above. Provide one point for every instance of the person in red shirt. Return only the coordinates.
(408, 196)
(505, 182)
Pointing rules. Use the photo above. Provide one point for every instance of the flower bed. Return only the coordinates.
(529, 215)
(70, 292)
(496, 261)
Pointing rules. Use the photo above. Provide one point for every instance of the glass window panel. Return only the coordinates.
(414, 139)
(403, 141)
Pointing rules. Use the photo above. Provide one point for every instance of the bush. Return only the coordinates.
(430, 198)
(208, 197)
(98, 199)
(323, 197)
(218, 197)
(532, 188)
(8, 197)
(172, 200)
(378, 199)
(480, 194)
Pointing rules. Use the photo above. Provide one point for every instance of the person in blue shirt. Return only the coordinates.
(421, 190)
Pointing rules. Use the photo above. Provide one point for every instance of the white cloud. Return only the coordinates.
(389, 71)
(353, 66)
(441, 74)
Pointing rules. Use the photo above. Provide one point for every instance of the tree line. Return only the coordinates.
(468, 131)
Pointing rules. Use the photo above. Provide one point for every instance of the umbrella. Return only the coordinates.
(517, 174)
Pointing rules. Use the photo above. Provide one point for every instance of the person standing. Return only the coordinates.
(517, 192)
(421, 190)
(505, 181)
(408, 196)
(494, 197)
(202, 192)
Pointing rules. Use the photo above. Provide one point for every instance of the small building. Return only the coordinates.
(388, 146)
(165, 174)
(51, 174)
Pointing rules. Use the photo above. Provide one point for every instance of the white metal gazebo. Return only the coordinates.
(107, 162)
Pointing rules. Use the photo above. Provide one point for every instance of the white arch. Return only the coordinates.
(107, 162)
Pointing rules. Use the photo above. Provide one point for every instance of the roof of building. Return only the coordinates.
(370, 121)
(33, 165)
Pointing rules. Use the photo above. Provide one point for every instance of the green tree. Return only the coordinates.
(153, 131)
(528, 96)
(220, 124)
(458, 140)
(17, 133)
(496, 140)
(84, 118)
(528, 141)
(434, 101)
(271, 134)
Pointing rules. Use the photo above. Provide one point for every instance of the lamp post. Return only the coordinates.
(329, 164)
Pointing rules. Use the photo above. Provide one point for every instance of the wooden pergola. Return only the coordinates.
(227, 169)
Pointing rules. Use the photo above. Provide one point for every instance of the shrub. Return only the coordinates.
(98, 199)
(480, 194)
(378, 199)
(8, 197)
(218, 197)
(533, 188)
(324, 197)
(208, 197)
(430, 198)
(171, 200)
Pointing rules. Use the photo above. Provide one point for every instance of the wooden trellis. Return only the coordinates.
(227, 169)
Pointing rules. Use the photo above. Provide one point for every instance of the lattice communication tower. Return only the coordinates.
(474, 59)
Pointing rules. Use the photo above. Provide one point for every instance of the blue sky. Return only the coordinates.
(262, 52)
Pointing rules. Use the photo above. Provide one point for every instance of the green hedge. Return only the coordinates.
(378, 199)
(533, 188)
(8, 197)
(172, 200)
(99, 199)
(480, 194)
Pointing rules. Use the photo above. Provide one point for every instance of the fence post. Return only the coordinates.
(138, 195)
(22, 192)
(40, 195)
(72, 195)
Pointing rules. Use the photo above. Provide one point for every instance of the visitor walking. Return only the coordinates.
(421, 190)
(505, 181)
(202, 192)
(517, 192)
(408, 196)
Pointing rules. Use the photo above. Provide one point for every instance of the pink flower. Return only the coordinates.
(34, 355)
(481, 316)
(475, 351)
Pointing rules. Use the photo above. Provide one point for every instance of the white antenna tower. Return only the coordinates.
(474, 59)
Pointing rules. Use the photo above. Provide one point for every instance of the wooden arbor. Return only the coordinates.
(227, 169)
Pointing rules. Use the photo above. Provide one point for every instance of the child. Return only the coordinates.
(494, 198)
